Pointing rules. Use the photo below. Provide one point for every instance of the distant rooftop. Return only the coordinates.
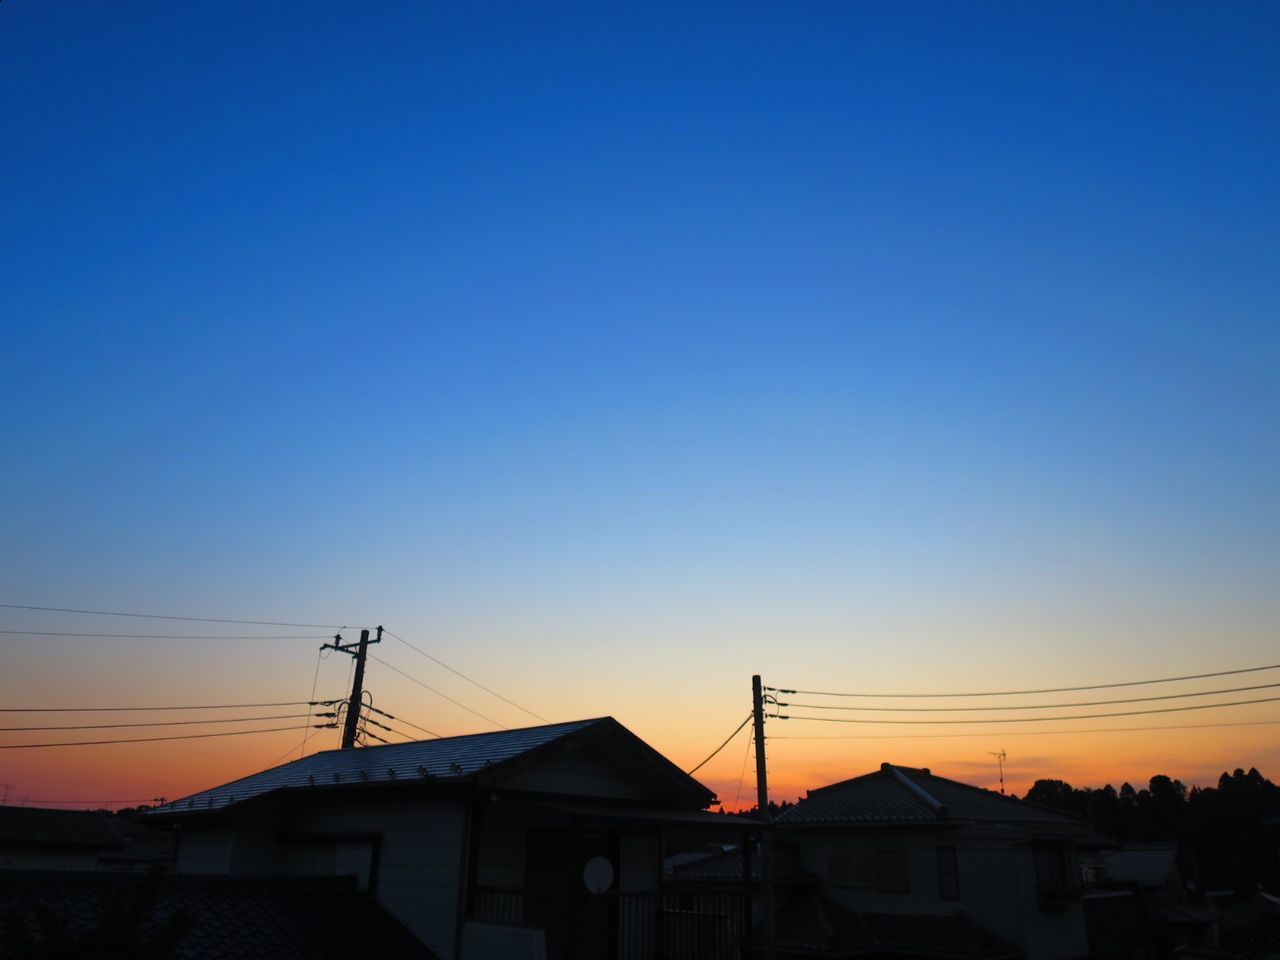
(1146, 864)
(895, 794)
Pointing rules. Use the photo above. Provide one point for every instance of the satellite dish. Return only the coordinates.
(597, 875)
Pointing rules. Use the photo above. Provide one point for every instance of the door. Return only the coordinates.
(580, 924)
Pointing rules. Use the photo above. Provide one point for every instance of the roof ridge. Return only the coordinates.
(456, 736)
(933, 803)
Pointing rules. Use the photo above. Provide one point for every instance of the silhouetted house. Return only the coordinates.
(87, 914)
(546, 841)
(910, 864)
(1174, 914)
(35, 838)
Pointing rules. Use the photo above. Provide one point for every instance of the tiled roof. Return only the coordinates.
(445, 759)
(812, 924)
(895, 794)
(37, 825)
(1148, 865)
(212, 918)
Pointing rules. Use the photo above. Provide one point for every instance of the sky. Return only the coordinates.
(614, 353)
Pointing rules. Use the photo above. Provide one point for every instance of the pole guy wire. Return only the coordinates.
(737, 730)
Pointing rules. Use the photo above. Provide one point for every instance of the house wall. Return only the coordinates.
(997, 884)
(579, 774)
(423, 840)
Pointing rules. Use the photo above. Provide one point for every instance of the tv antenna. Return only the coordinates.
(1000, 759)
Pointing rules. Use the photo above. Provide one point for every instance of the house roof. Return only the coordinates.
(213, 918)
(895, 794)
(63, 828)
(1148, 864)
(474, 757)
(810, 924)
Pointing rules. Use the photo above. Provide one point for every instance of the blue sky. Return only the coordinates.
(559, 328)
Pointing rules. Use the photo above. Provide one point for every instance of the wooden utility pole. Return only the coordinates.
(766, 833)
(360, 651)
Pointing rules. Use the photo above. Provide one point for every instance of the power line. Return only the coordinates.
(100, 743)
(163, 636)
(407, 736)
(459, 673)
(392, 716)
(1016, 693)
(158, 723)
(1020, 733)
(1081, 716)
(736, 731)
(1033, 706)
(164, 616)
(439, 694)
(203, 706)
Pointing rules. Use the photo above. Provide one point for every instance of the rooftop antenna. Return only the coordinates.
(4, 793)
(1000, 759)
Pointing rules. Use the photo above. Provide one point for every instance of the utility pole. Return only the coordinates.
(359, 651)
(762, 811)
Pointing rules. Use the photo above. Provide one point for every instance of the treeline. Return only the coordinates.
(1227, 839)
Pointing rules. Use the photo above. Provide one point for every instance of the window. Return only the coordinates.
(1057, 876)
(948, 874)
(886, 871)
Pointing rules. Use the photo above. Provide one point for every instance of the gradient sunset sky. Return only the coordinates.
(614, 353)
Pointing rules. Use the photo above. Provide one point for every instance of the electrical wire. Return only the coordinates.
(163, 636)
(459, 673)
(163, 616)
(1020, 733)
(203, 706)
(392, 716)
(1018, 693)
(101, 743)
(742, 775)
(117, 800)
(439, 694)
(1080, 716)
(1032, 706)
(736, 731)
(157, 723)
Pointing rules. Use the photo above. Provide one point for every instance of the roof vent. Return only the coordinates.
(423, 772)
(364, 774)
(337, 777)
(456, 767)
(391, 773)
(311, 779)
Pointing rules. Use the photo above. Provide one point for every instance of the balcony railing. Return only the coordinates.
(667, 924)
